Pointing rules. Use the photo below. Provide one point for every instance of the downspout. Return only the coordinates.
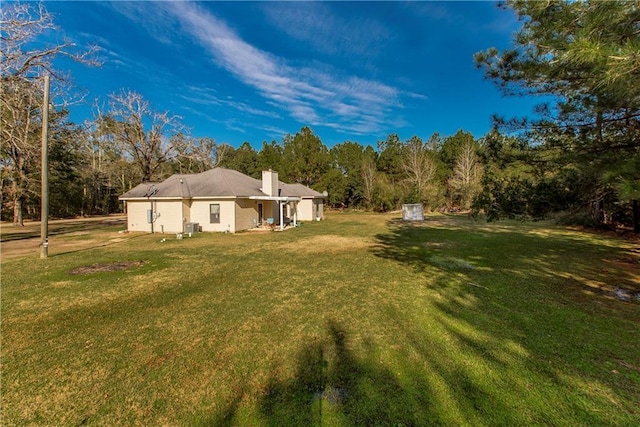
(151, 205)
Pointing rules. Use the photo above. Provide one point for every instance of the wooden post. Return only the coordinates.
(44, 199)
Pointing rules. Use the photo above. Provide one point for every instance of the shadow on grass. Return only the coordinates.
(13, 234)
(331, 381)
(332, 385)
(548, 294)
(463, 247)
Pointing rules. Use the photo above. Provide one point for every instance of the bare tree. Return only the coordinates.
(105, 170)
(21, 70)
(141, 134)
(419, 166)
(194, 155)
(467, 174)
(205, 153)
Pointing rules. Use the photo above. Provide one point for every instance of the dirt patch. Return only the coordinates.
(629, 266)
(113, 266)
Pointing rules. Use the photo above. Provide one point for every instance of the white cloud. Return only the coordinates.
(317, 24)
(274, 131)
(309, 95)
(150, 16)
(208, 96)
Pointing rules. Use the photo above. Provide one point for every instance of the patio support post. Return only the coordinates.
(281, 206)
(295, 214)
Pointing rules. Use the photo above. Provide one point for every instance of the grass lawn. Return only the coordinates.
(357, 320)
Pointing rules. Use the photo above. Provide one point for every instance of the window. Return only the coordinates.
(214, 214)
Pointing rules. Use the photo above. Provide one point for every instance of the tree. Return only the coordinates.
(390, 178)
(270, 156)
(390, 158)
(192, 155)
(22, 67)
(243, 159)
(20, 148)
(420, 167)
(140, 133)
(465, 180)
(306, 158)
(335, 184)
(65, 166)
(369, 179)
(348, 158)
(584, 54)
(105, 171)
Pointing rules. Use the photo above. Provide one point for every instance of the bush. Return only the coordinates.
(582, 219)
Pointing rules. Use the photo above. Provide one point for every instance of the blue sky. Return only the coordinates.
(254, 71)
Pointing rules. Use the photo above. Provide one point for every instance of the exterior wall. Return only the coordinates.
(269, 210)
(246, 214)
(235, 214)
(200, 214)
(137, 216)
(168, 216)
(186, 211)
(310, 209)
(305, 210)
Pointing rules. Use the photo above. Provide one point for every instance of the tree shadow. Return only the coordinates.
(332, 383)
(466, 249)
(546, 294)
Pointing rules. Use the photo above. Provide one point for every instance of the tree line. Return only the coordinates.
(579, 161)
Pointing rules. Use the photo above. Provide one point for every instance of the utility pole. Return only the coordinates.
(44, 199)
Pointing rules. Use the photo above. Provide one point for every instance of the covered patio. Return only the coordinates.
(271, 210)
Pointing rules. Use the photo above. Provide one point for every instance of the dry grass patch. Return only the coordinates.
(59, 245)
(327, 243)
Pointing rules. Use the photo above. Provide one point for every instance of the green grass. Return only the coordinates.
(358, 320)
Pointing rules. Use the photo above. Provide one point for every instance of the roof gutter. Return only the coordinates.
(276, 198)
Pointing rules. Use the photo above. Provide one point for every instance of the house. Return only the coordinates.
(219, 200)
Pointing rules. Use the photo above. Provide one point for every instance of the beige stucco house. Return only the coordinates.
(219, 200)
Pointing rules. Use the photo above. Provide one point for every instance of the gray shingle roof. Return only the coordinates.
(297, 190)
(216, 182)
